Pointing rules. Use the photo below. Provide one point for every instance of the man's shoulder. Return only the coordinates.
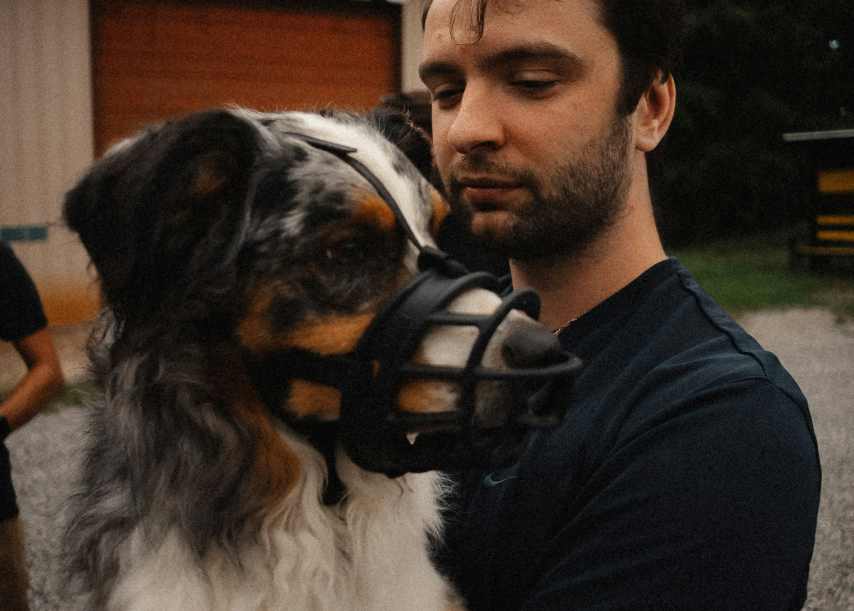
(668, 350)
(720, 351)
(672, 369)
(7, 257)
(21, 312)
(688, 334)
(12, 271)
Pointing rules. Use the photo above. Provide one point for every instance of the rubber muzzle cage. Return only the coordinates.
(375, 433)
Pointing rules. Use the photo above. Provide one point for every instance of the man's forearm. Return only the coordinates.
(41, 383)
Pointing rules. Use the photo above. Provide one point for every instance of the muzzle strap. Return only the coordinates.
(345, 154)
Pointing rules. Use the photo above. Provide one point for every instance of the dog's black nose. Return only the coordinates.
(532, 347)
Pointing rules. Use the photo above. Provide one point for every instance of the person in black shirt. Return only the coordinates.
(22, 322)
(686, 473)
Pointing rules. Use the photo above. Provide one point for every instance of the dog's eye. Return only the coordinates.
(351, 268)
(345, 254)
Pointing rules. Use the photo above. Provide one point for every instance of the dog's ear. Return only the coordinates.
(160, 210)
(397, 126)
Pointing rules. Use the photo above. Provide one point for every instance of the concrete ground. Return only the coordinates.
(810, 342)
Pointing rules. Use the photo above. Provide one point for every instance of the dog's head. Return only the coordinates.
(260, 233)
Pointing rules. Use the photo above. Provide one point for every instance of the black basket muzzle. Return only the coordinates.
(375, 432)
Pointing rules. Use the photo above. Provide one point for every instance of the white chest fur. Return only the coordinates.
(369, 553)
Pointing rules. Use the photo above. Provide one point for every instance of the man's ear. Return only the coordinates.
(654, 113)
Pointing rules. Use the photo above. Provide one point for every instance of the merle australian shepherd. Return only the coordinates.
(218, 239)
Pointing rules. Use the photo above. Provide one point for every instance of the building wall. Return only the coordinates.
(46, 139)
(47, 135)
(159, 59)
(410, 29)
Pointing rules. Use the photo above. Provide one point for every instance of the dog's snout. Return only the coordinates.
(531, 347)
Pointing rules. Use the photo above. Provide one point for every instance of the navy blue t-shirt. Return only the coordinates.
(21, 312)
(685, 475)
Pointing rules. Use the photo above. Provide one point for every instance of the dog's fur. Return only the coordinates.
(216, 237)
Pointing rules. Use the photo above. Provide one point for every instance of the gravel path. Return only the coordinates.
(814, 347)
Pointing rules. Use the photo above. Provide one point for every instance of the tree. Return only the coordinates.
(752, 70)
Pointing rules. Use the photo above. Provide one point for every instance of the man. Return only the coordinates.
(23, 323)
(686, 473)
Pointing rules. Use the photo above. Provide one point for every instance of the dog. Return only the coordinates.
(222, 241)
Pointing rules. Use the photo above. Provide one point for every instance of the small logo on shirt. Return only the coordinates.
(491, 480)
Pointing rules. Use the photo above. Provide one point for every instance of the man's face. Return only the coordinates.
(526, 135)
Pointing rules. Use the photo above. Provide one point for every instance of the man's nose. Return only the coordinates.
(477, 122)
(532, 347)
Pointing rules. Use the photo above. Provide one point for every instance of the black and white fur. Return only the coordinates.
(215, 237)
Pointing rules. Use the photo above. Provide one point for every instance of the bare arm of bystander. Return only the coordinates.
(43, 380)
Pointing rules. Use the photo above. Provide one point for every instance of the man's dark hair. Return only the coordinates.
(648, 35)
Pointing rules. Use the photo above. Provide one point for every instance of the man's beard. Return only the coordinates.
(571, 206)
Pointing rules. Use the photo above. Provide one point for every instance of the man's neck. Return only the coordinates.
(571, 286)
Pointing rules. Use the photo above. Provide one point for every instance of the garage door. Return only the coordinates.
(155, 59)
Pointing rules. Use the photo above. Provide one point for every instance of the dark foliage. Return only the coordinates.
(752, 70)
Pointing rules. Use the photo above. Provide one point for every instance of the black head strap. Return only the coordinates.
(345, 153)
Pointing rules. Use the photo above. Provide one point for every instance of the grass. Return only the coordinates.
(747, 274)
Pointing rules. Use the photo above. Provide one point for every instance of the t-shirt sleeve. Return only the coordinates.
(21, 312)
(711, 509)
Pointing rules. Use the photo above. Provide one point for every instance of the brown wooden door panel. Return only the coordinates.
(156, 59)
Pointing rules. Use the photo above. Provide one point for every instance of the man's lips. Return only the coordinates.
(488, 193)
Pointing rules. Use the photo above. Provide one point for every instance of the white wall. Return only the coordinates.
(411, 46)
(46, 139)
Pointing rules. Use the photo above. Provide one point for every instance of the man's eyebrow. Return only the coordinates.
(437, 68)
(535, 51)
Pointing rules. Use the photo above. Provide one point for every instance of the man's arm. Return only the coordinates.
(714, 509)
(42, 381)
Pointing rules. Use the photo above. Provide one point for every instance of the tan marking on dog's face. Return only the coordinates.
(425, 396)
(276, 468)
(207, 179)
(336, 334)
(371, 209)
(313, 399)
(444, 346)
(441, 209)
(332, 334)
(448, 346)
(254, 330)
